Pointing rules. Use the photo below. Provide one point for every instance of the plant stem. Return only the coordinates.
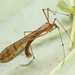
(71, 2)
(72, 32)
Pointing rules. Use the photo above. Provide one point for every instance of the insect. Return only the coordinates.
(11, 51)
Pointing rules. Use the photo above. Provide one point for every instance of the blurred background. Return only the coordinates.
(17, 16)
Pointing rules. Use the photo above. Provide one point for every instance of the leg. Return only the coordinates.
(61, 36)
(27, 32)
(42, 34)
(64, 29)
(46, 15)
(28, 54)
(54, 12)
(62, 46)
(32, 31)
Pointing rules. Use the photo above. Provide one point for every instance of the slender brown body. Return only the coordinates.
(16, 48)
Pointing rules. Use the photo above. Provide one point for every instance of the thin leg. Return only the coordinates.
(62, 46)
(42, 34)
(54, 12)
(46, 15)
(27, 32)
(27, 63)
(32, 31)
(61, 36)
(32, 52)
(61, 40)
(28, 54)
(64, 29)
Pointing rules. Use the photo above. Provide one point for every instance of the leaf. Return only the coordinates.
(64, 7)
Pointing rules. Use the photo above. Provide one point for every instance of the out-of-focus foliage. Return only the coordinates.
(64, 7)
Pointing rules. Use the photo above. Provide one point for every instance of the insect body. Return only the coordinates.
(16, 48)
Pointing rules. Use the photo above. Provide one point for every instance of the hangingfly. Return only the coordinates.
(11, 51)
